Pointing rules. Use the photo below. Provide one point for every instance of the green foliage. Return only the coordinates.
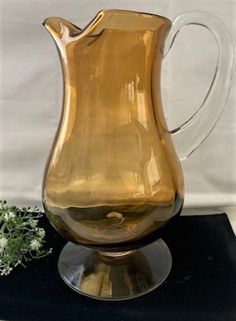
(21, 240)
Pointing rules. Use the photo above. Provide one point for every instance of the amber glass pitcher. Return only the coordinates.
(113, 180)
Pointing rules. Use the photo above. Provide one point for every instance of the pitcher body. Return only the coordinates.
(113, 177)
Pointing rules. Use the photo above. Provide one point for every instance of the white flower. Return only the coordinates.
(11, 215)
(7, 270)
(41, 233)
(6, 217)
(33, 223)
(3, 243)
(35, 245)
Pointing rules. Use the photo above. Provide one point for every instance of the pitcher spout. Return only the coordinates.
(60, 29)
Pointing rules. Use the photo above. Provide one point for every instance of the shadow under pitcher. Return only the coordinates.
(113, 179)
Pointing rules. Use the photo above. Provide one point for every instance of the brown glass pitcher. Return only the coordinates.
(113, 179)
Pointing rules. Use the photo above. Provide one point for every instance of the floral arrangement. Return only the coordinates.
(21, 240)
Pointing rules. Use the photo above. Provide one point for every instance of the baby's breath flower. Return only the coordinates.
(3, 242)
(33, 223)
(35, 245)
(20, 238)
(41, 233)
(11, 215)
(6, 217)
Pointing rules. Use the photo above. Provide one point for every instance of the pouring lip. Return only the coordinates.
(103, 11)
(99, 16)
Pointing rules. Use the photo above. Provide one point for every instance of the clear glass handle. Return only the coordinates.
(189, 136)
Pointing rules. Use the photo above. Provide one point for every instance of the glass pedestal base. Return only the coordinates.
(115, 276)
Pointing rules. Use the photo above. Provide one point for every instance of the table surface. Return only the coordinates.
(229, 210)
(201, 285)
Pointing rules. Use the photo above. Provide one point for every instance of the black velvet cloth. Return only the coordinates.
(201, 285)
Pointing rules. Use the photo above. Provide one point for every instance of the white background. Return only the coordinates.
(31, 94)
